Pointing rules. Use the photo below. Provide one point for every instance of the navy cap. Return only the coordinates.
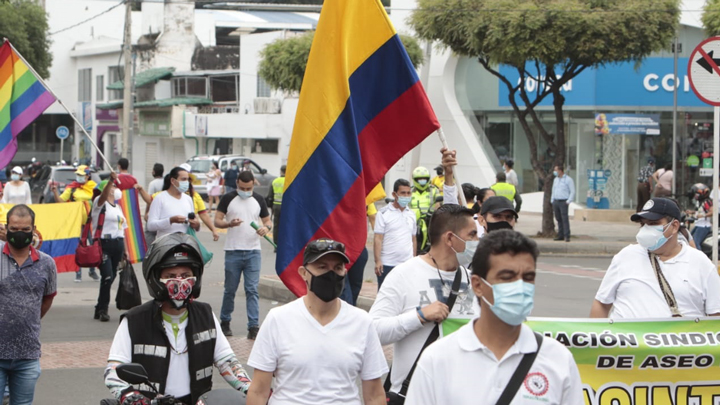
(496, 205)
(657, 208)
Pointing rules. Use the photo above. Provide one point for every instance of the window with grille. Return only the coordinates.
(84, 85)
(263, 89)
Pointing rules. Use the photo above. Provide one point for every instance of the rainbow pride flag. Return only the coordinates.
(362, 107)
(22, 99)
(59, 227)
(135, 246)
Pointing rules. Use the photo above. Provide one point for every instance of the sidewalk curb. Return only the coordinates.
(274, 289)
(580, 247)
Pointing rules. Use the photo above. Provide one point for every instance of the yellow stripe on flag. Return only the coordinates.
(54, 221)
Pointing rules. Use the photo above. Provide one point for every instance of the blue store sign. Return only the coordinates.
(627, 124)
(616, 85)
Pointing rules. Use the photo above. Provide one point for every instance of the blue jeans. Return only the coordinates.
(20, 376)
(237, 263)
(699, 233)
(385, 272)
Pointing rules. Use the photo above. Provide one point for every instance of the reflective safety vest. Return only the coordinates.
(506, 190)
(278, 186)
(422, 201)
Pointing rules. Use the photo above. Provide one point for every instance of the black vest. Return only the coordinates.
(151, 347)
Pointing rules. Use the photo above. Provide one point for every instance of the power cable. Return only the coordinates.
(89, 19)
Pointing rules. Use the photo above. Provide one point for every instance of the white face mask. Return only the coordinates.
(652, 237)
(117, 194)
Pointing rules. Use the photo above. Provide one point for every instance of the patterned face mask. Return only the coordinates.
(179, 289)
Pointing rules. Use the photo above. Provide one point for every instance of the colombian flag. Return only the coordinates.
(22, 99)
(362, 107)
(59, 227)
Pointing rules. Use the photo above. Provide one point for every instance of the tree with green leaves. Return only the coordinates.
(549, 42)
(25, 24)
(282, 62)
(711, 17)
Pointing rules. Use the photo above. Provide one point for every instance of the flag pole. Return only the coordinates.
(40, 79)
(460, 194)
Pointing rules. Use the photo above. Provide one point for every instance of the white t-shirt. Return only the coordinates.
(178, 376)
(253, 209)
(155, 186)
(394, 312)
(316, 364)
(631, 285)
(114, 225)
(459, 369)
(163, 207)
(511, 177)
(398, 228)
(16, 194)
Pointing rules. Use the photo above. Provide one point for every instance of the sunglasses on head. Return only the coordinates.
(325, 245)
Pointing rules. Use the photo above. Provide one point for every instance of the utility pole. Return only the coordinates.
(128, 81)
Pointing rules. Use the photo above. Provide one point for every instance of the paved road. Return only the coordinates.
(75, 346)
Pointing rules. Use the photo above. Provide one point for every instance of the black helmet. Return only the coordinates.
(699, 192)
(175, 249)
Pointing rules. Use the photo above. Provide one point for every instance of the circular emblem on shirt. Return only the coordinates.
(537, 384)
(648, 205)
(37, 240)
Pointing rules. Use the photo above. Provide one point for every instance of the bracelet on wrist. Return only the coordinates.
(419, 311)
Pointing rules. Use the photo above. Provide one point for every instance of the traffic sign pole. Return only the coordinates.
(62, 147)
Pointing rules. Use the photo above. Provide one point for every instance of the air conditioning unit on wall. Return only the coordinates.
(266, 105)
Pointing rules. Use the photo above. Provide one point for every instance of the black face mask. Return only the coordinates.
(328, 286)
(19, 239)
(494, 226)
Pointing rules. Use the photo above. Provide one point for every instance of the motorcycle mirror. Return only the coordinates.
(222, 397)
(132, 373)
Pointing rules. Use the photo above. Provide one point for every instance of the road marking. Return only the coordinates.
(571, 270)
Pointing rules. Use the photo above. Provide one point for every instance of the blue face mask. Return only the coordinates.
(80, 179)
(183, 186)
(422, 182)
(15, 177)
(245, 194)
(403, 201)
(465, 257)
(652, 237)
(555, 173)
(234, 167)
(513, 301)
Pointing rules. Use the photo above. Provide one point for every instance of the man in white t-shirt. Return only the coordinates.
(156, 184)
(511, 176)
(237, 212)
(317, 346)
(169, 210)
(395, 239)
(631, 286)
(414, 295)
(476, 363)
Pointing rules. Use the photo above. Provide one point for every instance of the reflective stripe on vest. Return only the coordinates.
(506, 190)
(278, 186)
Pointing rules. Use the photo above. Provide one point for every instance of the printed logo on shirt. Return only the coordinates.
(463, 303)
(537, 384)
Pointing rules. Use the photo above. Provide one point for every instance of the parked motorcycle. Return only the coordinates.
(135, 374)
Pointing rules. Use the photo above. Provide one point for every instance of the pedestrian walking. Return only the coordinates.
(28, 284)
(156, 185)
(563, 193)
(510, 175)
(700, 194)
(213, 185)
(414, 296)
(504, 189)
(182, 331)
(503, 280)
(318, 346)
(663, 179)
(169, 211)
(274, 200)
(394, 239)
(659, 277)
(106, 213)
(83, 189)
(645, 183)
(230, 177)
(16, 191)
(236, 213)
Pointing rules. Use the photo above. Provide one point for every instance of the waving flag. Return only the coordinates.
(22, 99)
(135, 246)
(362, 107)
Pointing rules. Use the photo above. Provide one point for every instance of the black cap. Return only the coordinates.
(657, 208)
(650, 159)
(496, 205)
(321, 247)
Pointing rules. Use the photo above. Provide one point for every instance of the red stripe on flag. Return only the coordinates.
(66, 263)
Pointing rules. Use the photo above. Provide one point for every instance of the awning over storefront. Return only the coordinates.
(145, 77)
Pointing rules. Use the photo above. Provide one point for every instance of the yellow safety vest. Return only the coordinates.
(422, 201)
(278, 186)
(506, 190)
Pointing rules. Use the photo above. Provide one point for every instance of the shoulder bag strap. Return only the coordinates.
(521, 372)
(664, 286)
(101, 221)
(434, 334)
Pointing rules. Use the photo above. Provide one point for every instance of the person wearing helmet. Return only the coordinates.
(423, 200)
(700, 195)
(175, 337)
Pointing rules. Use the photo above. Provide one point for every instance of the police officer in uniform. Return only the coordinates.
(504, 189)
(423, 200)
(274, 200)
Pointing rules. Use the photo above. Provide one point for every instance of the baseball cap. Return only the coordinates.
(186, 167)
(321, 247)
(657, 208)
(83, 170)
(17, 170)
(651, 159)
(496, 205)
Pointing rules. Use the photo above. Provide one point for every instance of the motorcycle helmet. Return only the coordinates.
(419, 174)
(699, 192)
(175, 249)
